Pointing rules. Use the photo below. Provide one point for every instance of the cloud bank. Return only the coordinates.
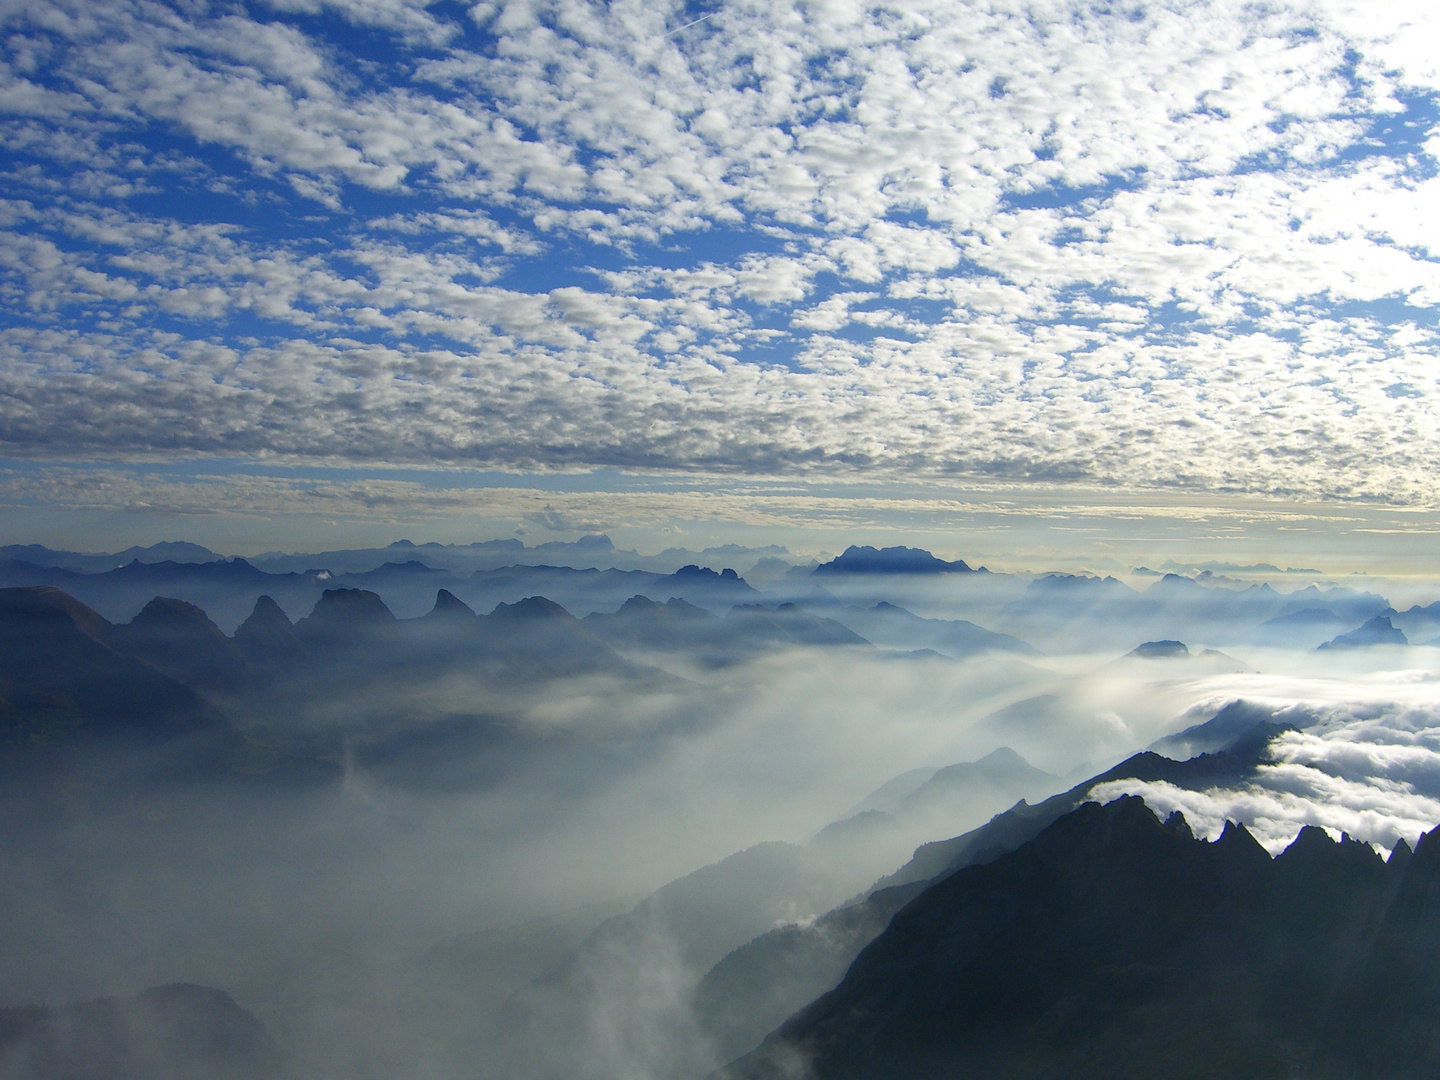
(1190, 245)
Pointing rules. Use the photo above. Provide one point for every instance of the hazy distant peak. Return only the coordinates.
(640, 604)
(1177, 584)
(1004, 755)
(267, 616)
(167, 1031)
(597, 543)
(167, 619)
(350, 606)
(1378, 631)
(1073, 584)
(692, 572)
(891, 560)
(532, 607)
(45, 602)
(448, 605)
(167, 610)
(1160, 650)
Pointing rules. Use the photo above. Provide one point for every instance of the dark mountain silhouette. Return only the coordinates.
(180, 640)
(890, 560)
(1240, 723)
(225, 589)
(312, 696)
(759, 984)
(705, 588)
(1378, 631)
(175, 1032)
(352, 634)
(66, 688)
(1159, 650)
(407, 587)
(449, 608)
(1112, 945)
(346, 611)
(267, 637)
(581, 591)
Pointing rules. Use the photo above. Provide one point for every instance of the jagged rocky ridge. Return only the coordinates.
(1115, 945)
(754, 988)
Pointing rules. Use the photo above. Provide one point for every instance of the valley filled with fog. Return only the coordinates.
(478, 812)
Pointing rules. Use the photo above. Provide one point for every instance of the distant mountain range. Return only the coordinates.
(295, 699)
(595, 552)
(1054, 612)
(890, 560)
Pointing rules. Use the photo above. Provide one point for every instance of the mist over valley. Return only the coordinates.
(532, 820)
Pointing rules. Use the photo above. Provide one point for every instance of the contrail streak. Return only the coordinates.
(692, 22)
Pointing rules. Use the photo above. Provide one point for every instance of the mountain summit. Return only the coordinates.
(890, 560)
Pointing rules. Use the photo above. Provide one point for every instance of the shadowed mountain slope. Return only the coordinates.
(180, 640)
(759, 984)
(65, 686)
(174, 1032)
(1378, 631)
(894, 627)
(1113, 945)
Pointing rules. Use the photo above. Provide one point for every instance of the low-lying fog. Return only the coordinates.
(381, 926)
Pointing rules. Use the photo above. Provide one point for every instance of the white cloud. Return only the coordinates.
(1370, 767)
(1019, 242)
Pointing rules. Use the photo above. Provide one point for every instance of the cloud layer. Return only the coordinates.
(1368, 764)
(1189, 245)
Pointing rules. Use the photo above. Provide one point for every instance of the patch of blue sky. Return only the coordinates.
(370, 48)
(862, 334)
(721, 245)
(1390, 312)
(926, 309)
(1399, 136)
(1060, 196)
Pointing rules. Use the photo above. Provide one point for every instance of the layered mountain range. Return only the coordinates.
(962, 919)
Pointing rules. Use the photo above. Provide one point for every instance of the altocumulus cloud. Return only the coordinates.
(1173, 245)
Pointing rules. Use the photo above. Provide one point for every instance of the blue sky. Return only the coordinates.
(672, 262)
